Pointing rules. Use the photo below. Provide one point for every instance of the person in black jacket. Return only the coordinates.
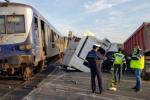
(93, 60)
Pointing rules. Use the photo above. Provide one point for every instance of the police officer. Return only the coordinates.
(137, 64)
(119, 59)
(93, 60)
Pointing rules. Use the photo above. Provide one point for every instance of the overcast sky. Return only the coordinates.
(114, 19)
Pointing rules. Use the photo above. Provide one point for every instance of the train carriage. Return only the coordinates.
(26, 40)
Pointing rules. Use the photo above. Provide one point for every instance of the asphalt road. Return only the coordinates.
(17, 89)
(76, 86)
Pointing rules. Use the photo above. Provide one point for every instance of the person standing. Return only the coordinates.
(93, 60)
(137, 64)
(116, 69)
(119, 59)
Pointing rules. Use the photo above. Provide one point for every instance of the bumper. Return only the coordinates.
(15, 60)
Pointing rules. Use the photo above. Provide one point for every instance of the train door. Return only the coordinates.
(42, 46)
(48, 46)
(36, 39)
(46, 39)
(52, 39)
(43, 33)
(53, 44)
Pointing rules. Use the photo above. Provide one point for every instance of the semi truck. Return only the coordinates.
(140, 37)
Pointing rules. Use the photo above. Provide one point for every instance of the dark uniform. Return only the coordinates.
(93, 60)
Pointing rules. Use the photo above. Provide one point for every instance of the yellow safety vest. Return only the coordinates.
(139, 64)
(118, 58)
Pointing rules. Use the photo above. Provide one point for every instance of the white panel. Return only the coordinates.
(69, 52)
(76, 59)
(77, 63)
(19, 37)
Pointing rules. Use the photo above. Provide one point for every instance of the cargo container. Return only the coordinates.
(141, 37)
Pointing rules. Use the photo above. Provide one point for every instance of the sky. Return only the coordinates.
(112, 19)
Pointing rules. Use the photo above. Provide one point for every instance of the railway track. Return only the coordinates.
(16, 89)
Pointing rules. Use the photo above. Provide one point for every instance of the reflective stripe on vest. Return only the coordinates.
(118, 58)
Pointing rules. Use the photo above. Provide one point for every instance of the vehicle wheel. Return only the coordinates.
(11, 71)
(27, 73)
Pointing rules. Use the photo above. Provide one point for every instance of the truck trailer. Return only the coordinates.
(140, 37)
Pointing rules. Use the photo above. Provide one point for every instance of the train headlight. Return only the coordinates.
(25, 47)
(28, 46)
(22, 47)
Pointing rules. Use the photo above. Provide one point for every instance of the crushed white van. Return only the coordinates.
(77, 51)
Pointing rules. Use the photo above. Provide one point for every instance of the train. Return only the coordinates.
(141, 37)
(27, 40)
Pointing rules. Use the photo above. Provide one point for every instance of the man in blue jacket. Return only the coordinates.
(93, 60)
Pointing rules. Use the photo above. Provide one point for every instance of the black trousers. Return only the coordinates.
(117, 72)
(94, 74)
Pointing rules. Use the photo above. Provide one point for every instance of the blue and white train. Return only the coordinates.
(26, 40)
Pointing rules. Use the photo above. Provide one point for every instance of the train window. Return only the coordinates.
(52, 32)
(49, 37)
(2, 24)
(43, 32)
(53, 45)
(15, 24)
(64, 39)
(55, 36)
(36, 27)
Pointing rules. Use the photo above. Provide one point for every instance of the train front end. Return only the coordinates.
(16, 43)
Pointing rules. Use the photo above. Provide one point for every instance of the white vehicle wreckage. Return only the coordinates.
(77, 51)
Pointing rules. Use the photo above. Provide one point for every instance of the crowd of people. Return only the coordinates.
(95, 60)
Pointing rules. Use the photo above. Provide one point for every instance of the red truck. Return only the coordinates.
(141, 37)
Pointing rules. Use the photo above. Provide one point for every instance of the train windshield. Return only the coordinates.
(12, 24)
(15, 24)
(2, 24)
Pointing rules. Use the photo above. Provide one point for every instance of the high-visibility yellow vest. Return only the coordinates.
(118, 58)
(139, 64)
